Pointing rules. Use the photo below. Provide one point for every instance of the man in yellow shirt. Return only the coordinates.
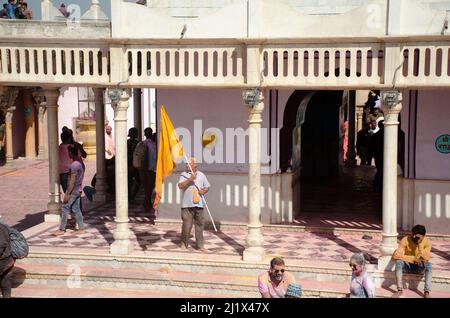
(413, 256)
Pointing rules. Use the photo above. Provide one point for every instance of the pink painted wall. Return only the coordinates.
(432, 121)
(218, 108)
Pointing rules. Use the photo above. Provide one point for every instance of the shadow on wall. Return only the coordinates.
(432, 205)
(228, 198)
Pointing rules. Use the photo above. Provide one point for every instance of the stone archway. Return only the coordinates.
(289, 123)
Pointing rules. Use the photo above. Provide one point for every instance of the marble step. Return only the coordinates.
(168, 282)
(229, 265)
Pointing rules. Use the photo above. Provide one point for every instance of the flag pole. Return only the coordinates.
(202, 196)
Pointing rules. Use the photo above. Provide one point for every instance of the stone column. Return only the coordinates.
(11, 96)
(9, 139)
(137, 107)
(45, 129)
(351, 152)
(54, 205)
(361, 99)
(100, 186)
(254, 251)
(359, 115)
(30, 135)
(122, 244)
(40, 104)
(389, 243)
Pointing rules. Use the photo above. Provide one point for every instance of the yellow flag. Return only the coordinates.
(169, 151)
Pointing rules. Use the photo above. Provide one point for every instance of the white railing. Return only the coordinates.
(54, 64)
(425, 63)
(319, 65)
(223, 63)
(186, 66)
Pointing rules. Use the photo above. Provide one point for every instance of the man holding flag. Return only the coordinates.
(193, 183)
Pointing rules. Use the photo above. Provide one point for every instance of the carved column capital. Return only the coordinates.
(9, 114)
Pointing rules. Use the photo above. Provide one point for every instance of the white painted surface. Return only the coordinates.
(432, 121)
(213, 108)
(228, 197)
(425, 202)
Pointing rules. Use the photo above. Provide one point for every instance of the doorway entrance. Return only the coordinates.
(327, 193)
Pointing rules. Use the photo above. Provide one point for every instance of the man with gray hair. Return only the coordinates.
(193, 184)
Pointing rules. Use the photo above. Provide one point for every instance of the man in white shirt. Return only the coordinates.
(193, 186)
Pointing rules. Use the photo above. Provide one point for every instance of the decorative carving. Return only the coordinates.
(40, 103)
(9, 115)
(8, 97)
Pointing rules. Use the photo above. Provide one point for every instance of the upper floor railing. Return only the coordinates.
(421, 62)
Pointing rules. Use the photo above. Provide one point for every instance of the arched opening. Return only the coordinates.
(289, 123)
(326, 192)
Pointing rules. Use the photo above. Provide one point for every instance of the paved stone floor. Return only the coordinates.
(24, 192)
(344, 202)
(166, 238)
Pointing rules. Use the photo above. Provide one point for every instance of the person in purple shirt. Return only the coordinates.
(72, 197)
(3, 14)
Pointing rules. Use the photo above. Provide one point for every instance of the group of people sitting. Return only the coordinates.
(16, 10)
(412, 256)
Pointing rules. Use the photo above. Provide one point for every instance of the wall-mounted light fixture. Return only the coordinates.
(251, 97)
(390, 98)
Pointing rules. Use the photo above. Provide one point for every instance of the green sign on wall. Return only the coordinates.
(443, 144)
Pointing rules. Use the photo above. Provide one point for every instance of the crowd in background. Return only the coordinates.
(16, 10)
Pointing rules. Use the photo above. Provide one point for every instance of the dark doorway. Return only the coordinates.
(320, 136)
(329, 194)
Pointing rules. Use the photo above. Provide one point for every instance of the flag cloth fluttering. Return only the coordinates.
(170, 150)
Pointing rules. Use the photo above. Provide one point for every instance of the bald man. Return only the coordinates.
(192, 186)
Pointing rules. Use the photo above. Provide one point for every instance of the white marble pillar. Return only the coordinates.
(11, 97)
(40, 105)
(101, 184)
(359, 115)
(389, 234)
(254, 250)
(54, 205)
(122, 244)
(9, 137)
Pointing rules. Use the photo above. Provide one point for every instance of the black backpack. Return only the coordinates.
(18, 243)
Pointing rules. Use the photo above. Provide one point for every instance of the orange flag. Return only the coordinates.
(169, 151)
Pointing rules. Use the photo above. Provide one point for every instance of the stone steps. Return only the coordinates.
(195, 276)
(223, 264)
(54, 291)
(57, 281)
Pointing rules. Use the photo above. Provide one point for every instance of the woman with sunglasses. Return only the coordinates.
(361, 285)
